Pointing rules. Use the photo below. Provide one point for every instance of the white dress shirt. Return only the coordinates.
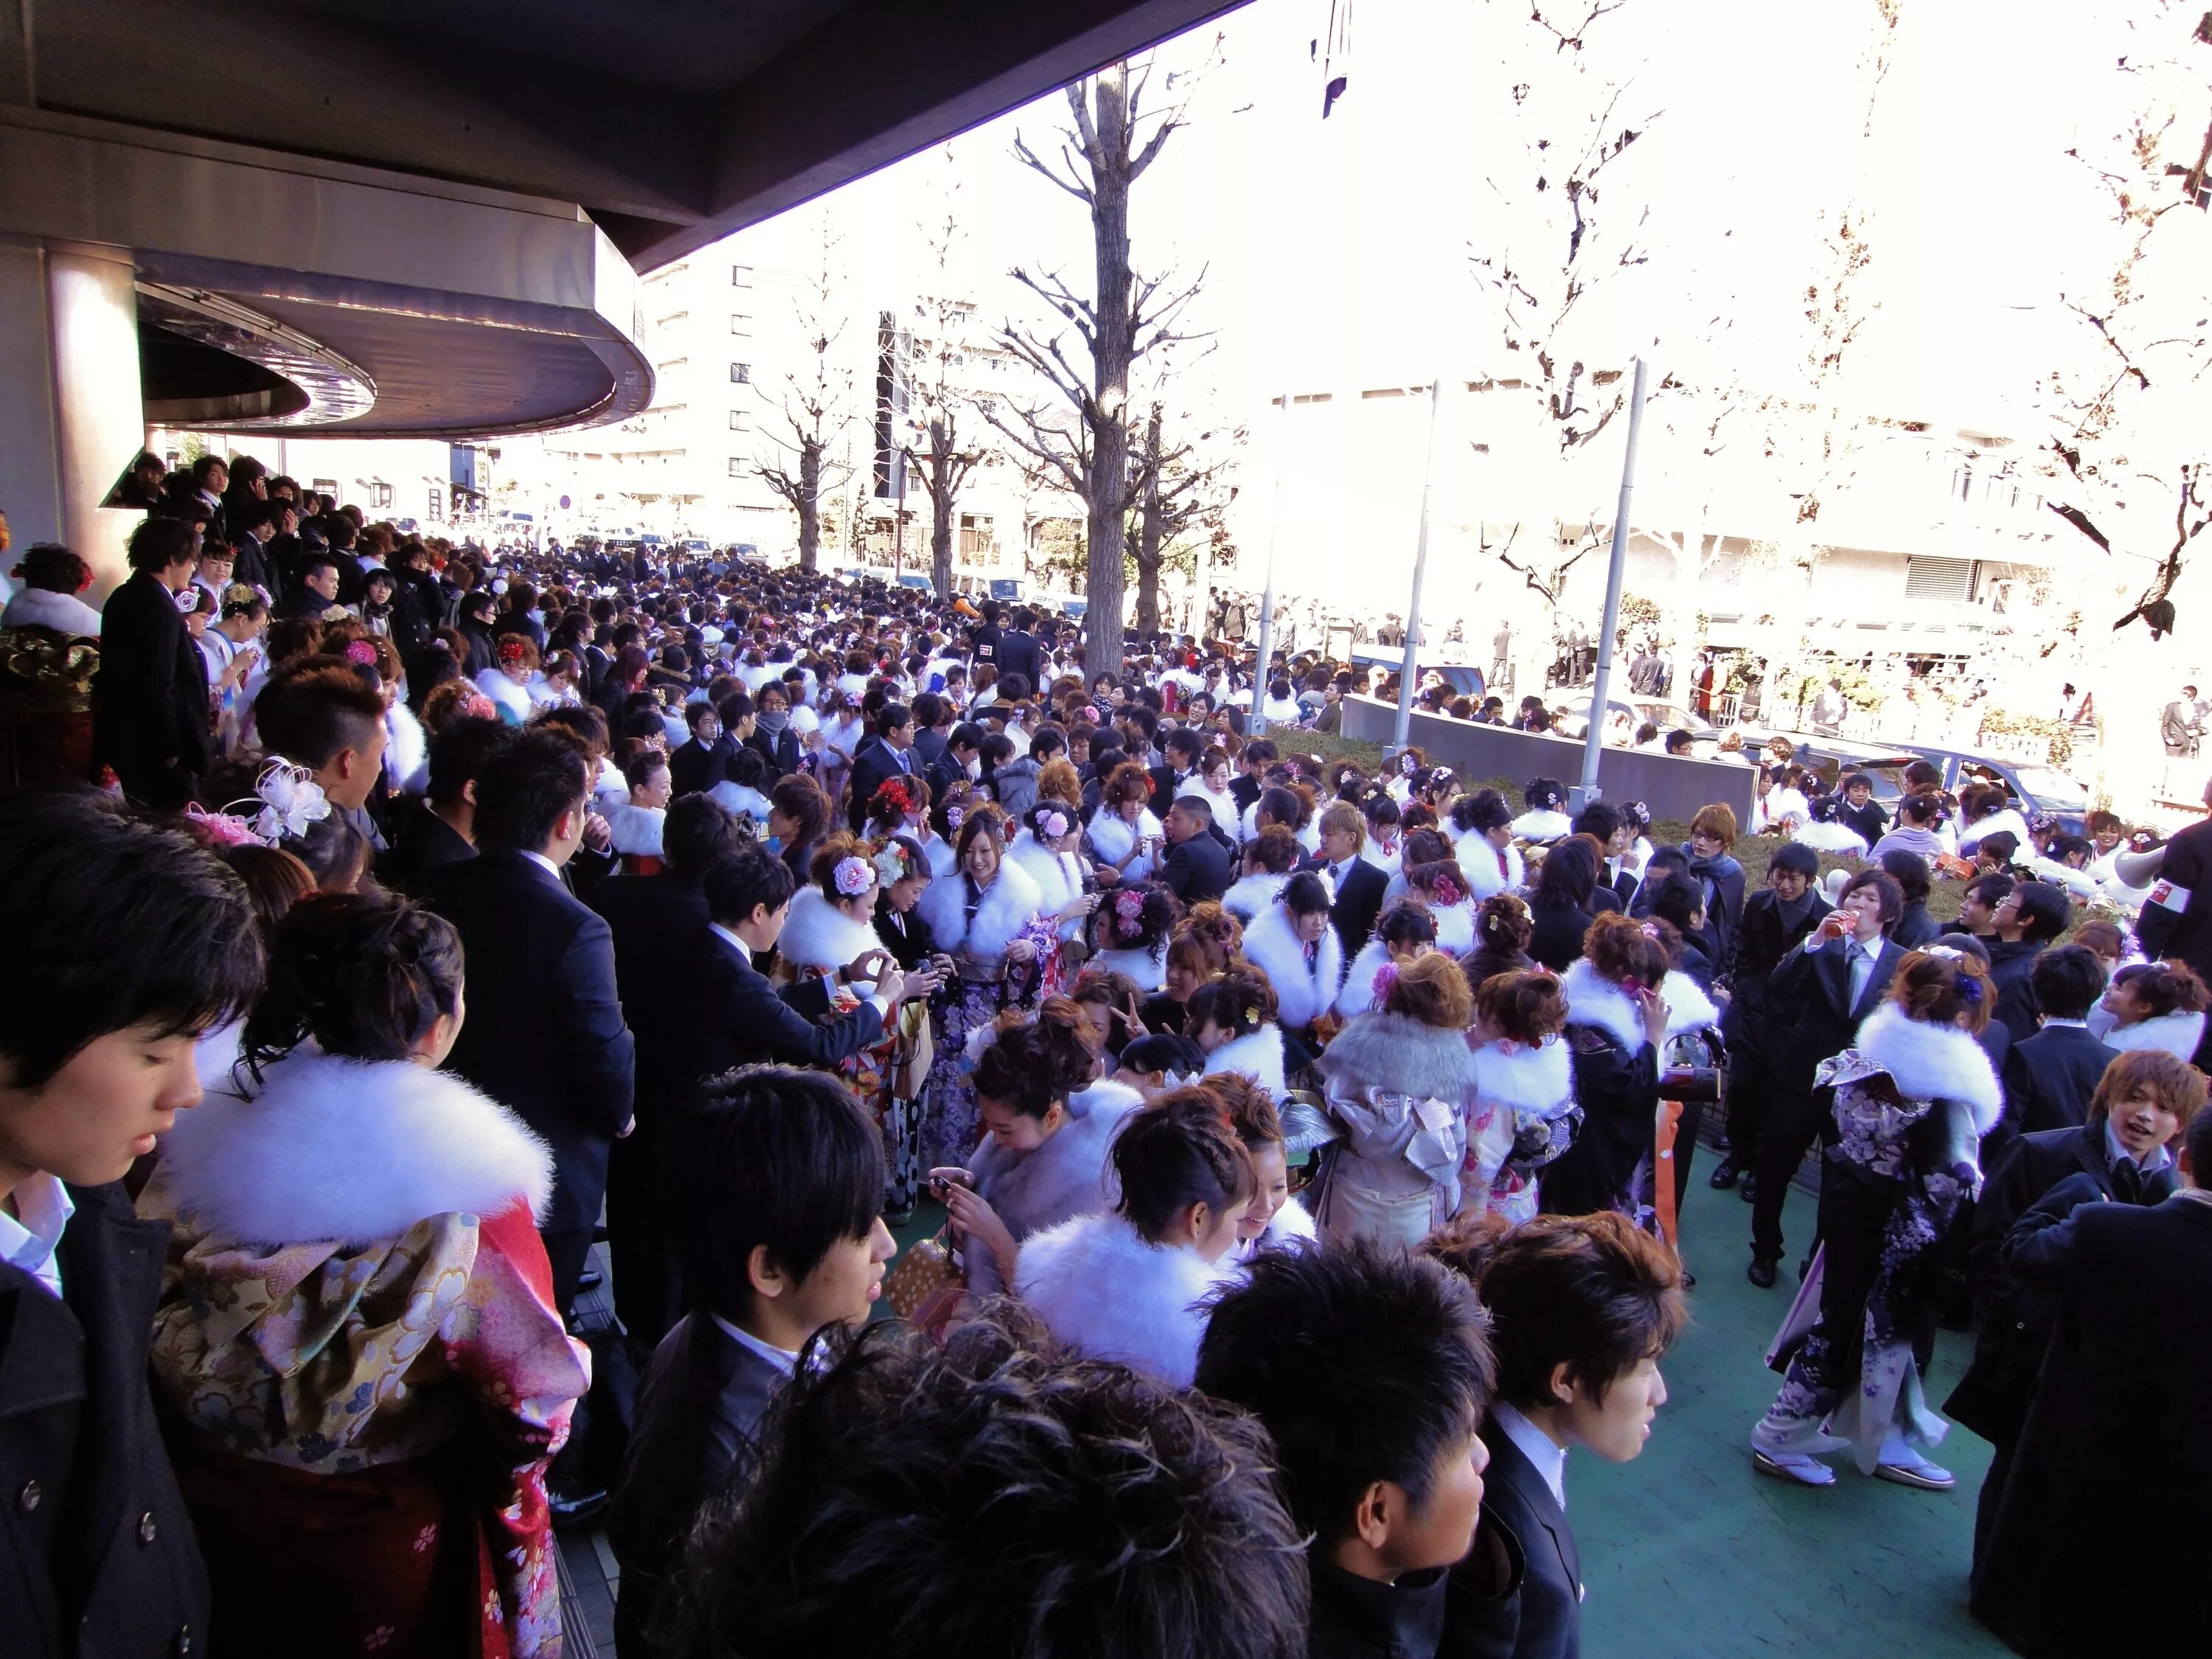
(28, 1236)
(1548, 1458)
(782, 1359)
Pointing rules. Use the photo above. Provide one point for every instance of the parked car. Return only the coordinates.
(1573, 719)
(2034, 788)
(1464, 678)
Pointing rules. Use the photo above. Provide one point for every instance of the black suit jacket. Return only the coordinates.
(1916, 928)
(737, 1019)
(653, 921)
(2010, 967)
(1019, 655)
(1197, 870)
(2108, 1456)
(694, 1436)
(1544, 1620)
(545, 1035)
(780, 750)
(150, 697)
(1556, 940)
(697, 767)
(96, 1551)
(875, 764)
(1359, 903)
(1813, 1012)
(1760, 943)
(2049, 1081)
(422, 842)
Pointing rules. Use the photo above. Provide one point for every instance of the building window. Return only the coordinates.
(1954, 579)
(740, 421)
(741, 324)
(737, 467)
(742, 373)
(437, 504)
(325, 486)
(741, 275)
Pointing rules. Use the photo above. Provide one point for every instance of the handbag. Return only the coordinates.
(926, 1284)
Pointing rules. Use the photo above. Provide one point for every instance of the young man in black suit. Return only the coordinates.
(546, 1037)
(2027, 919)
(882, 758)
(2051, 1079)
(150, 697)
(143, 942)
(777, 1188)
(1184, 748)
(1244, 788)
(1821, 990)
(2144, 1099)
(963, 745)
(2113, 1460)
(653, 921)
(1197, 865)
(701, 761)
(1370, 1369)
(1357, 885)
(1776, 921)
(440, 828)
(734, 1016)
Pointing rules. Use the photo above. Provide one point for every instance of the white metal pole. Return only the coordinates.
(1258, 722)
(1594, 739)
(1409, 670)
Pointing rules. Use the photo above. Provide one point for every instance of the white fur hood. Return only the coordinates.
(1932, 1062)
(1258, 1056)
(1593, 1000)
(1105, 1293)
(2177, 1033)
(350, 1150)
(816, 935)
(1524, 1079)
(1006, 908)
(1400, 1054)
(1271, 944)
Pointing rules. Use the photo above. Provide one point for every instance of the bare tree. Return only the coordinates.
(945, 319)
(1083, 433)
(1176, 494)
(812, 407)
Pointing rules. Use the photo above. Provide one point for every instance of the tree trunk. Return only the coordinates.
(942, 502)
(810, 504)
(1109, 480)
(1148, 532)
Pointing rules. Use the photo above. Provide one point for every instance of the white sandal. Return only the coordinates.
(1793, 1467)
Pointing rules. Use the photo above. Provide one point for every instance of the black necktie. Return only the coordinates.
(2127, 1181)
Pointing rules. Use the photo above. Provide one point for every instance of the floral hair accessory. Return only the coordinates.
(480, 707)
(1970, 990)
(1129, 913)
(1943, 952)
(223, 828)
(953, 815)
(852, 877)
(1446, 890)
(1386, 981)
(360, 652)
(511, 648)
(1651, 930)
(1054, 825)
(896, 795)
(291, 800)
(1409, 764)
(890, 864)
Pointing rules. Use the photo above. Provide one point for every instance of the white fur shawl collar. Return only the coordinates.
(1148, 969)
(1454, 926)
(350, 1150)
(1931, 1062)
(1067, 1177)
(1359, 995)
(1114, 836)
(1258, 1056)
(1593, 1000)
(1247, 895)
(818, 936)
(1271, 944)
(1006, 908)
(1058, 877)
(1102, 1291)
(1402, 1055)
(1535, 1080)
(1478, 861)
(2177, 1033)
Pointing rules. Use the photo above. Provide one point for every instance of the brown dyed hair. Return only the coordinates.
(1523, 1007)
(1622, 948)
(1274, 850)
(2165, 987)
(1433, 991)
(2105, 938)
(1207, 941)
(1931, 989)
(2175, 1084)
(1129, 781)
(1251, 1110)
(1718, 821)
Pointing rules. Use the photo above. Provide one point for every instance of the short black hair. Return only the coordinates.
(310, 713)
(995, 1498)
(1364, 1363)
(1990, 890)
(1910, 871)
(1677, 899)
(363, 975)
(698, 831)
(966, 735)
(748, 881)
(458, 754)
(2044, 909)
(1186, 740)
(774, 1155)
(1794, 856)
(1678, 740)
(116, 924)
(160, 543)
(1601, 818)
(525, 785)
(2068, 980)
(893, 715)
(1884, 887)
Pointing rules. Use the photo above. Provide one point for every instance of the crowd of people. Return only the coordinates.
(1312, 1142)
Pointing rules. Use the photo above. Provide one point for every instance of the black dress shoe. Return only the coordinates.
(1804, 1267)
(1723, 1175)
(1761, 1272)
(574, 1509)
(590, 1279)
(1747, 1188)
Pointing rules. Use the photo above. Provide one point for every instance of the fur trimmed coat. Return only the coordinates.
(818, 938)
(1010, 905)
(1401, 1091)
(1290, 1228)
(1258, 1055)
(1363, 992)
(1524, 1117)
(2177, 1033)
(1302, 989)
(1148, 968)
(1065, 1177)
(1247, 895)
(1104, 1291)
(1478, 861)
(1058, 876)
(356, 1313)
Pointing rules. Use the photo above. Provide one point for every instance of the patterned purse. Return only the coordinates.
(926, 1284)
